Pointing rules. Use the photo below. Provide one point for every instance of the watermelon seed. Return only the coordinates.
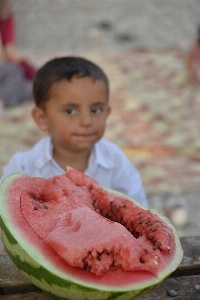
(89, 268)
(121, 219)
(90, 188)
(94, 202)
(101, 212)
(158, 244)
(41, 201)
(35, 208)
(98, 257)
(46, 207)
(151, 237)
(155, 262)
(148, 223)
(168, 248)
(155, 247)
(113, 208)
(137, 234)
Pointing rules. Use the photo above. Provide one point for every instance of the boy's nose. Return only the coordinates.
(86, 119)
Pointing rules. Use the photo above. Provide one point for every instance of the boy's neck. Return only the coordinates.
(78, 161)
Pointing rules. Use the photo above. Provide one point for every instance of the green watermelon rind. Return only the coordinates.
(43, 273)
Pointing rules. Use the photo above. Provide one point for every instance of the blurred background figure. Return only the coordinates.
(16, 73)
(193, 59)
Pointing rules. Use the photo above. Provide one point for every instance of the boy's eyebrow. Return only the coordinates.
(72, 104)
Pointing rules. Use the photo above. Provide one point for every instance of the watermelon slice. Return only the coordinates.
(77, 240)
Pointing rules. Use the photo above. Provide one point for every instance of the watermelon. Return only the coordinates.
(77, 240)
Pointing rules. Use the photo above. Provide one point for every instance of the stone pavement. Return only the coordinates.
(82, 25)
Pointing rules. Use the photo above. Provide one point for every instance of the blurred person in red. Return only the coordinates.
(193, 59)
(16, 73)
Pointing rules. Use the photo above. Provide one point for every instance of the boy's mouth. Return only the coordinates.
(85, 136)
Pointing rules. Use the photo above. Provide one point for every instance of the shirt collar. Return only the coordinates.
(46, 153)
(100, 157)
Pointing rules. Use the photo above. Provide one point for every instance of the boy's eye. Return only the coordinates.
(96, 110)
(70, 111)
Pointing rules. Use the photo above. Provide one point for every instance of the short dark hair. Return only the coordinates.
(61, 68)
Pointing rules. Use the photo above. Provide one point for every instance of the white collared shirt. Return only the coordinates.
(107, 165)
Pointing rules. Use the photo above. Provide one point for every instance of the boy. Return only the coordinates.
(71, 97)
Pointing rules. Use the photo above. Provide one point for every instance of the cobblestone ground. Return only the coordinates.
(82, 25)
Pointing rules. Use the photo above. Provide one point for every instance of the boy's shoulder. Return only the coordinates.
(30, 161)
(108, 146)
(110, 153)
(36, 149)
(32, 156)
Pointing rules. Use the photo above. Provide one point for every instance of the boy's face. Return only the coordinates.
(75, 116)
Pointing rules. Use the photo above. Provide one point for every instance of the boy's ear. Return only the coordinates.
(40, 118)
(109, 111)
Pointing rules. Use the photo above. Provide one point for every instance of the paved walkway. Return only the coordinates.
(82, 25)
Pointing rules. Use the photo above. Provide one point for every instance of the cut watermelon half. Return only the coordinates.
(64, 235)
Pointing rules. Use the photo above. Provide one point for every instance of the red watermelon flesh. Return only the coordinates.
(110, 244)
(47, 200)
(94, 229)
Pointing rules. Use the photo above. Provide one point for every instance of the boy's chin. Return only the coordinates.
(85, 144)
(82, 148)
